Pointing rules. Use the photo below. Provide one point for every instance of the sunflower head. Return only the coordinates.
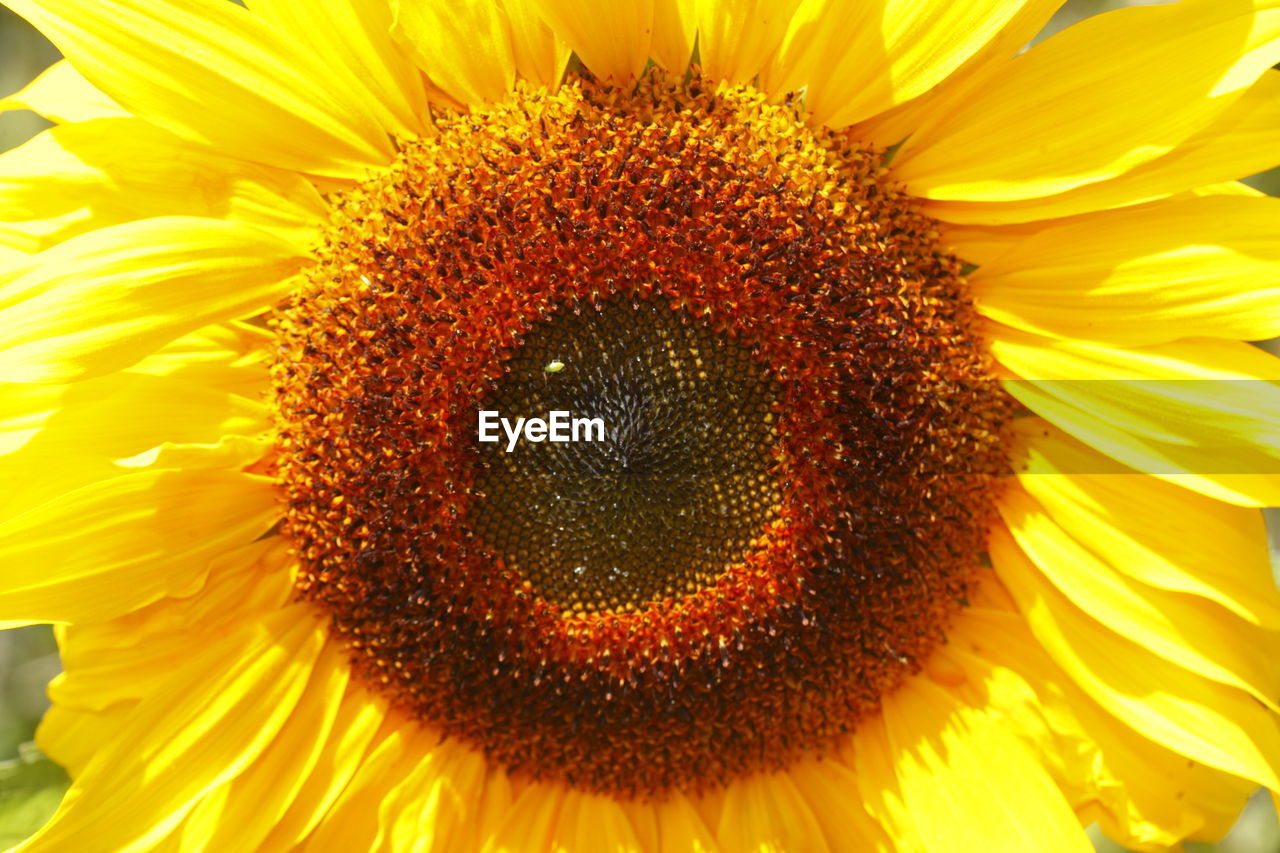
(798, 433)
(480, 427)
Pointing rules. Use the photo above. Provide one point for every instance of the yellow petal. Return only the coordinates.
(830, 789)
(230, 357)
(675, 28)
(1194, 267)
(464, 46)
(1168, 798)
(589, 822)
(122, 543)
(1228, 188)
(103, 300)
(765, 812)
(247, 582)
(735, 40)
(955, 92)
(872, 759)
(352, 821)
(1207, 722)
(439, 804)
(671, 825)
(94, 174)
(73, 435)
(1202, 413)
(215, 73)
(355, 41)
(1138, 525)
(540, 57)
(219, 714)
(61, 94)
(983, 244)
(204, 355)
(132, 657)
(967, 780)
(232, 452)
(612, 39)
(858, 59)
(1180, 629)
(344, 752)
(72, 736)
(1095, 101)
(489, 810)
(1142, 794)
(9, 258)
(1243, 141)
(249, 806)
(1030, 702)
(531, 822)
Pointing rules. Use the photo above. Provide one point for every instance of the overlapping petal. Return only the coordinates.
(355, 37)
(217, 74)
(359, 724)
(222, 711)
(612, 39)
(953, 94)
(1096, 100)
(1209, 723)
(104, 300)
(857, 59)
(675, 28)
(245, 811)
(61, 94)
(1199, 412)
(127, 659)
(57, 438)
(540, 57)
(1142, 794)
(441, 803)
(465, 47)
(119, 544)
(1138, 524)
(1243, 141)
(1179, 628)
(830, 789)
(736, 40)
(764, 812)
(953, 760)
(102, 172)
(1211, 268)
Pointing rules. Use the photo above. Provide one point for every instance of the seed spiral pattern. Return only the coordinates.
(673, 494)
(706, 220)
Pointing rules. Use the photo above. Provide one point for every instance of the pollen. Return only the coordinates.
(803, 440)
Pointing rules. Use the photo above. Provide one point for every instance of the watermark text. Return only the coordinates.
(559, 425)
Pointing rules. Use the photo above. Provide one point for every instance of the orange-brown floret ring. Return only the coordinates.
(731, 213)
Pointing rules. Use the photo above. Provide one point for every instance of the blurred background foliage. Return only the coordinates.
(31, 786)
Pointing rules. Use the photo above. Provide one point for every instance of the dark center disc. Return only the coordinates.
(669, 477)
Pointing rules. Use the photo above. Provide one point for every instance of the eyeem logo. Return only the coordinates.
(558, 426)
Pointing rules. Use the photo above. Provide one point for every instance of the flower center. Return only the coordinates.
(676, 486)
(798, 436)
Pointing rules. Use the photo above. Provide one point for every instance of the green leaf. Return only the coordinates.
(31, 786)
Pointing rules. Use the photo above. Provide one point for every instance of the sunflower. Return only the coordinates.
(923, 508)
